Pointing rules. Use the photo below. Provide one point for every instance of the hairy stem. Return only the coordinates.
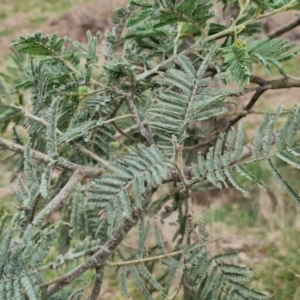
(144, 132)
(189, 213)
(152, 258)
(122, 133)
(76, 145)
(41, 157)
(251, 103)
(100, 257)
(77, 177)
(126, 131)
(97, 284)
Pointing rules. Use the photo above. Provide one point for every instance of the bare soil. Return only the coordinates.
(91, 15)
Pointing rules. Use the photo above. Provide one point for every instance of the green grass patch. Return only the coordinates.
(240, 214)
(3, 15)
(7, 32)
(279, 275)
(37, 20)
(291, 66)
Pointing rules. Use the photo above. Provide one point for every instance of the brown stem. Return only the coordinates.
(282, 83)
(250, 104)
(77, 177)
(74, 144)
(285, 28)
(89, 172)
(121, 132)
(177, 161)
(97, 284)
(144, 132)
(126, 131)
(100, 257)
(151, 258)
(264, 85)
(41, 157)
(199, 145)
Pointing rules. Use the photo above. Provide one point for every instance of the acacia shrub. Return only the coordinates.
(101, 148)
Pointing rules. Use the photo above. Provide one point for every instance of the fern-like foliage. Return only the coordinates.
(272, 52)
(239, 63)
(24, 246)
(192, 12)
(20, 258)
(112, 38)
(138, 270)
(144, 280)
(142, 169)
(218, 166)
(84, 220)
(28, 194)
(64, 79)
(186, 98)
(213, 276)
(241, 54)
(40, 45)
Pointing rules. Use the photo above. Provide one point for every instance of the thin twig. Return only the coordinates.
(89, 172)
(127, 130)
(76, 145)
(144, 132)
(76, 177)
(66, 259)
(152, 258)
(177, 161)
(100, 257)
(284, 28)
(216, 36)
(244, 113)
(30, 212)
(250, 104)
(121, 132)
(118, 118)
(118, 105)
(41, 157)
(89, 153)
(258, 80)
(199, 145)
(99, 272)
(282, 83)
(264, 85)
